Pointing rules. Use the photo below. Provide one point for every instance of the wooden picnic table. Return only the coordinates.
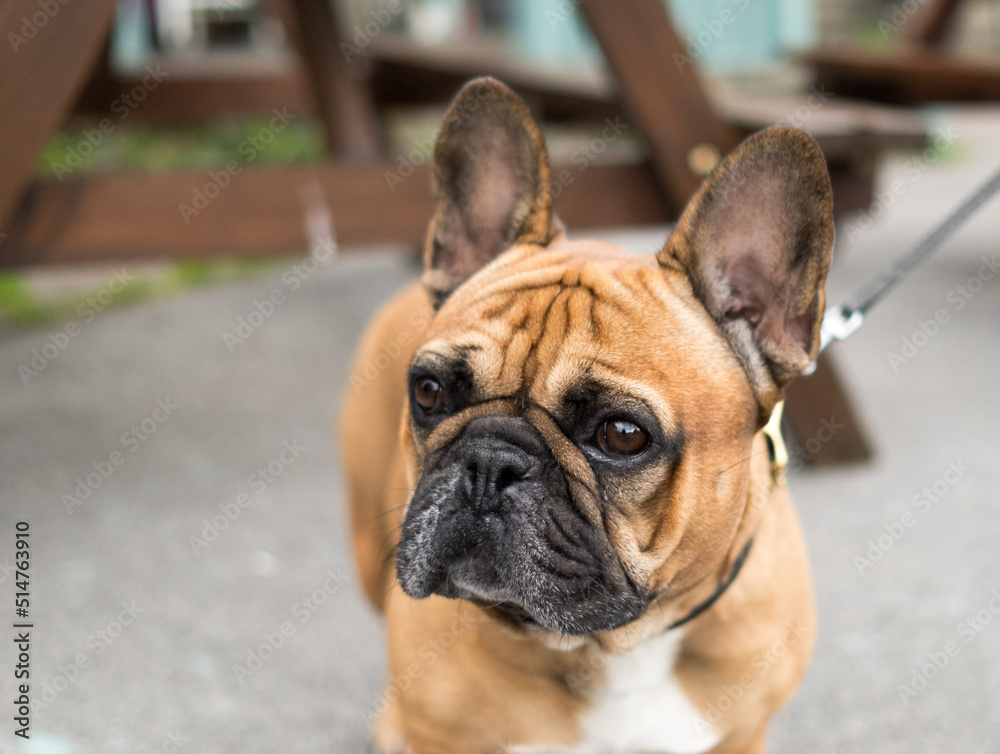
(266, 210)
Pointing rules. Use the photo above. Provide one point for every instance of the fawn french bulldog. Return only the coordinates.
(561, 493)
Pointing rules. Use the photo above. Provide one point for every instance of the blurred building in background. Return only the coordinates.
(550, 33)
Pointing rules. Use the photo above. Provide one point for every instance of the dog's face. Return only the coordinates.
(581, 422)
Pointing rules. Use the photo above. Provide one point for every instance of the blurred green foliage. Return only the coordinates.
(21, 305)
(155, 147)
(137, 146)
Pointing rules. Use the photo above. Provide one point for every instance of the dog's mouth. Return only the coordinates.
(511, 613)
(513, 592)
(500, 604)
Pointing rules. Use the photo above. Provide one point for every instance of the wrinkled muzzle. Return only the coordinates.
(493, 520)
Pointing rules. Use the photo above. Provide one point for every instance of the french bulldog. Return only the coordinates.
(561, 490)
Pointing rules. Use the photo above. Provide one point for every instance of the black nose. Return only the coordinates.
(491, 467)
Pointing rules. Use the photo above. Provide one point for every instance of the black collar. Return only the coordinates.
(720, 590)
(779, 461)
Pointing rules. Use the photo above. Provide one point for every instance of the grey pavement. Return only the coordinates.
(201, 595)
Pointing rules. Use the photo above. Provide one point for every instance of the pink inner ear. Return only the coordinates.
(768, 305)
(756, 243)
(491, 206)
(736, 309)
(491, 183)
(750, 291)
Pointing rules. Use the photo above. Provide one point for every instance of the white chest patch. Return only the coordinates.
(642, 709)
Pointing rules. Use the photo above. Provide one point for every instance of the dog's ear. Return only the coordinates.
(756, 242)
(491, 185)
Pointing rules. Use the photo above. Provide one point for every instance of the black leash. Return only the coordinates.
(840, 322)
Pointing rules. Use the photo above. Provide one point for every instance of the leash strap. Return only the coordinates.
(840, 322)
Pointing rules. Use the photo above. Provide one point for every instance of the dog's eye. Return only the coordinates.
(620, 438)
(429, 395)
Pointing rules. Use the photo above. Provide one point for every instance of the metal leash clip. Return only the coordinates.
(838, 324)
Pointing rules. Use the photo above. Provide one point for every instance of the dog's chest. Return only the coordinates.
(641, 709)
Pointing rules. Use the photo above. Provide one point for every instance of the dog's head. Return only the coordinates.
(583, 424)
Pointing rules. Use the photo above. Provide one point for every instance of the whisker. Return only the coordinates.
(385, 563)
(385, 513)
(745, 460)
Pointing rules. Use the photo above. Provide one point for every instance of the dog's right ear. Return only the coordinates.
(491, 185)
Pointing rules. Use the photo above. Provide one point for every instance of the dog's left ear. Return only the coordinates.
(491, 185)
(756, 242)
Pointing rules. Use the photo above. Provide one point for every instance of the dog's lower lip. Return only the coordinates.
(510, 611)
(506, 609)
(457, 589)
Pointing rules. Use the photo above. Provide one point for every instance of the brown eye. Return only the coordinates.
(619, 438)
(429, 395)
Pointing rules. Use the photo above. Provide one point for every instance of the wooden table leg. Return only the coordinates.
(47, 51)
(932, 23)
(342, 94)
(662, 90)
(821, 420)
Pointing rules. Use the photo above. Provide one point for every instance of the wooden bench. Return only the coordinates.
(919, 71)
